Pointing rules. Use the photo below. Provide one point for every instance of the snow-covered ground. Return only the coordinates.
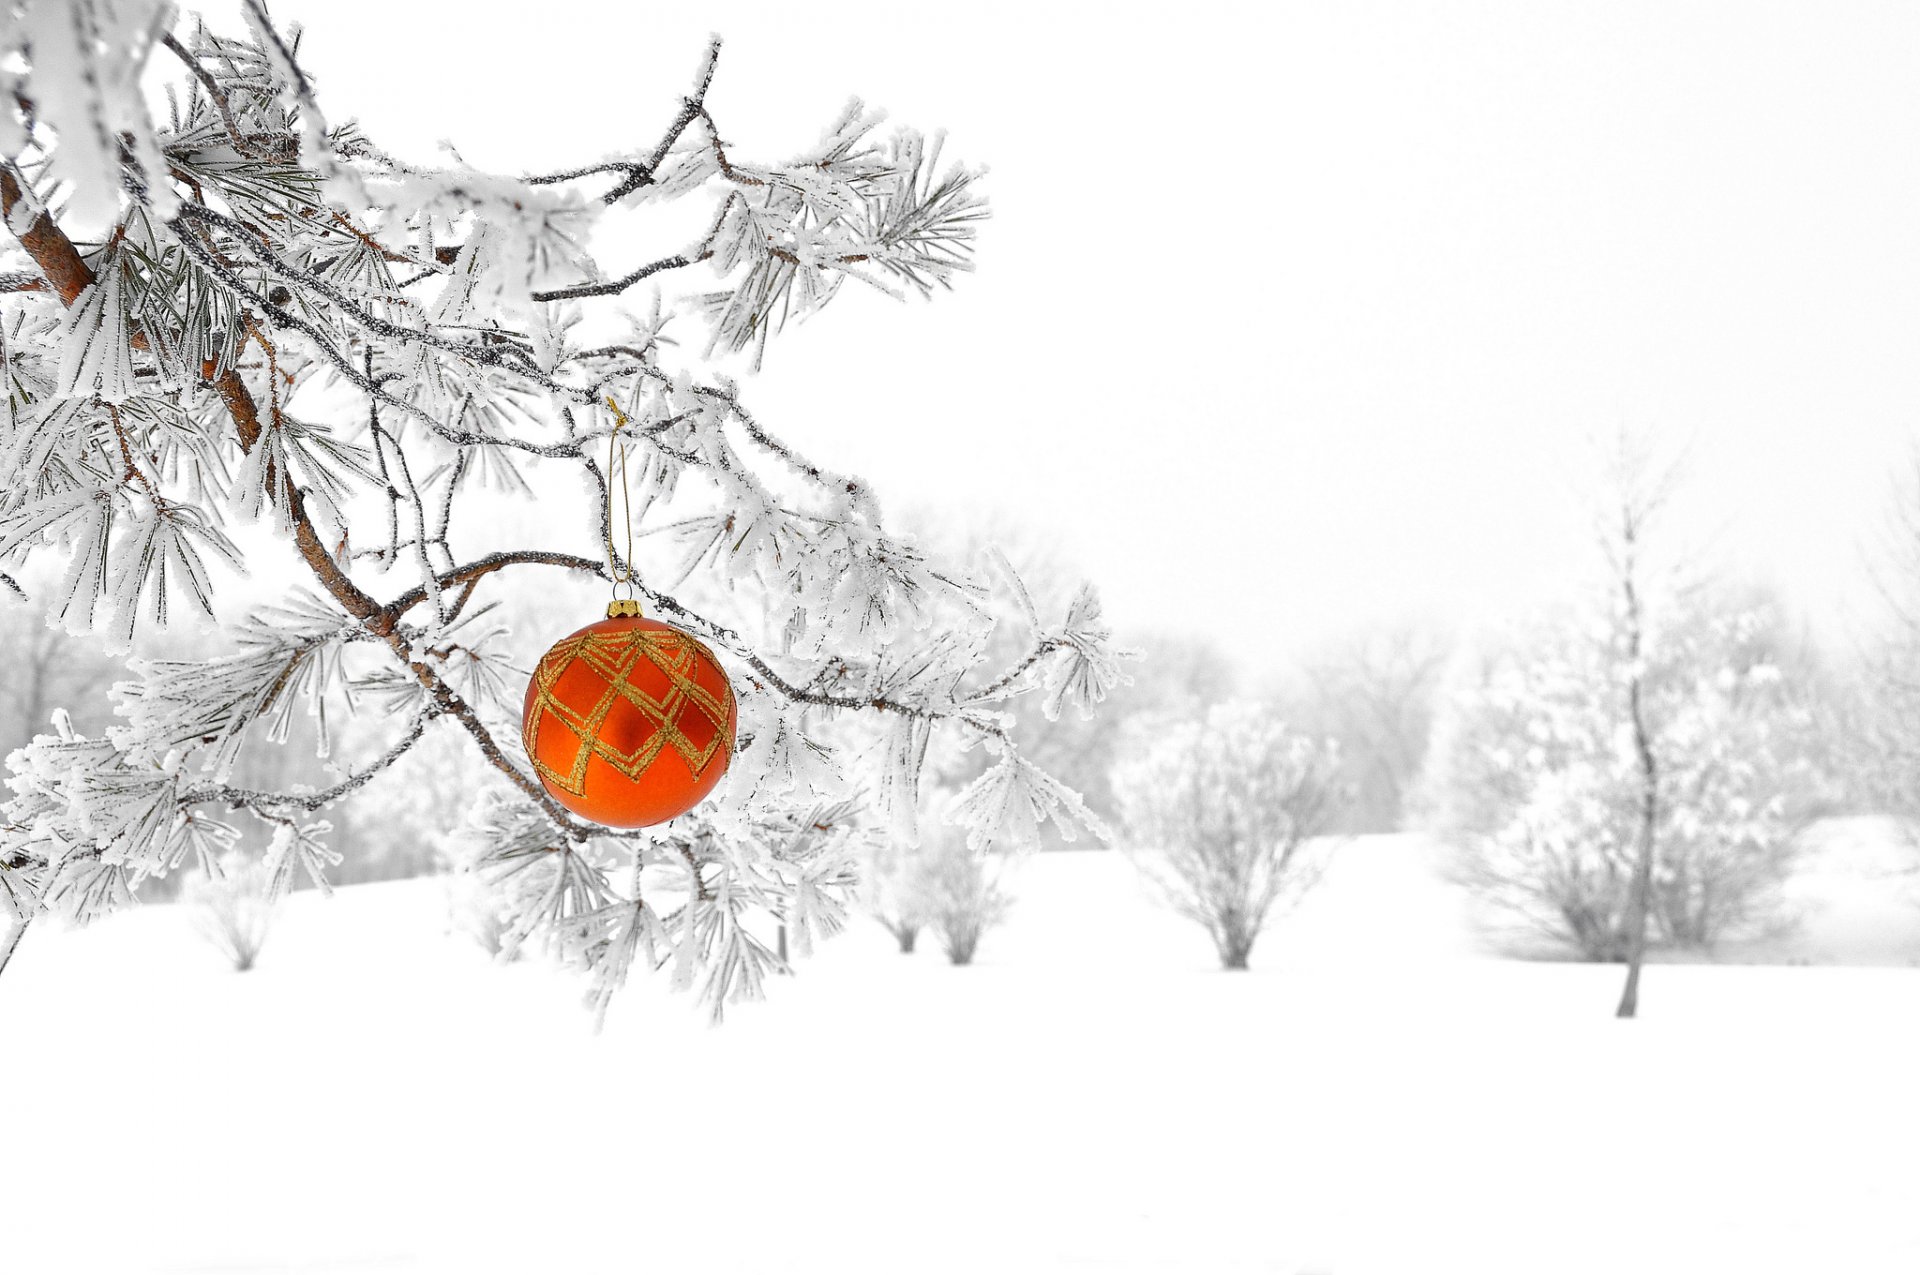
(1378, 1095)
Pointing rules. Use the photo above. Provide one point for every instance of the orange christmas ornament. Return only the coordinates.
(629, 721)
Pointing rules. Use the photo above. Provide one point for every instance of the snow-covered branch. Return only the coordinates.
(222, 277)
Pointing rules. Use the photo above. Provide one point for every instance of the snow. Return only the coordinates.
(1379, 1094)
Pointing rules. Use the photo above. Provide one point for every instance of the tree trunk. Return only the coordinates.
(907, 939)
(960, 944)
(1640, 898)
(33, 700)
(1637, 903)
(16, 932)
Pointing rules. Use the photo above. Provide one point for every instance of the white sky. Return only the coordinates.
(1296, 319)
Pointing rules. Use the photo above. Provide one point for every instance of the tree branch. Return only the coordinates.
(999, 684)
(232, 389)
(257, 801)
(56, 255)
(472, 572)
(15, 932)
(700, 626)
(46, 243)
(621, 284)
(641, 173)
(218, 97)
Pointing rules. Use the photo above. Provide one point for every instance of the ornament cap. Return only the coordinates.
(623, 609)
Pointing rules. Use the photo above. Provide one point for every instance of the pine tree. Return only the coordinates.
(234, 315)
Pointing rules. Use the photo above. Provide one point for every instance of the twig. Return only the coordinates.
(641, 173)
(15, 932)
(257, 801)
(219, 98)
(621, 284)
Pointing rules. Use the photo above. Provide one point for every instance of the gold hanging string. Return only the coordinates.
(621, 569)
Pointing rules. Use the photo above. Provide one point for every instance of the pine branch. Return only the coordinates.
(798, 463)
(54, 251)
(251, 222)
(1000, 685)
(241, 408)
(261, 802)
(640, 173)
(709, 630)
(216, 95)
(46, 243)
(478, 569)
(15, 932)
(449, 701)
(616, 286)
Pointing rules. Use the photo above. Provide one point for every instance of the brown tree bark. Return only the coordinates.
(47, 244)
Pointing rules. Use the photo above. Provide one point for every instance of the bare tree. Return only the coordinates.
(1219, 809)
(1373, 692)
(48, 669)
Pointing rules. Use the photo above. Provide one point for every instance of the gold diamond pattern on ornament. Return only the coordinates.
(612, 658)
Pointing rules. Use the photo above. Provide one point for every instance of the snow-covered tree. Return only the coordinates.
(46, 670)
(1372, 691)
(235, 326)
(893, 888)
(1879, 730)
(1074, 747)
(1218, 810)
(1543, 783)
(963, 895)
(233, 907)
(1635, 761)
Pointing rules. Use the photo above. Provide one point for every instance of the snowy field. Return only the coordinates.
(1377, 1095)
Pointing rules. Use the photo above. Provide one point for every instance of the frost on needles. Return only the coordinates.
(228, 313)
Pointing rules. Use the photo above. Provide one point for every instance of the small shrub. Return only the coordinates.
(474, 913)
(1218, 811)
(962, 893)
(894, 890)
(233, 907)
